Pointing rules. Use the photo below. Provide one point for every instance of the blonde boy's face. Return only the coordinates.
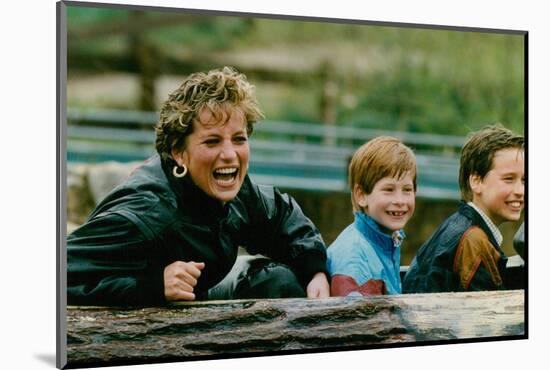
(500, 194)
(391, 202)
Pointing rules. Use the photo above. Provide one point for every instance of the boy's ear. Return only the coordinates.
(475, 183)
(360, 196)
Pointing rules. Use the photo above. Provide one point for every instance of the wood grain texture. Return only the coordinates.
(97, 335)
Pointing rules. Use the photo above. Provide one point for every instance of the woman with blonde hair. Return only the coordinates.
(172, 230)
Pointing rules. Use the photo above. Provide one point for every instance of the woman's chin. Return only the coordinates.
(225, 192)
(225, 196)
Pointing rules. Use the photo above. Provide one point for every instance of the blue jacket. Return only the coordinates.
(363, 252)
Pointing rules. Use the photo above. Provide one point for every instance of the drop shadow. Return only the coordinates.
(47, 358)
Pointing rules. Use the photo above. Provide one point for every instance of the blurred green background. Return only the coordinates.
(395, 78)
(387, 77)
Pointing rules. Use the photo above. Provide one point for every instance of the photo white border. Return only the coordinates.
(29, 181)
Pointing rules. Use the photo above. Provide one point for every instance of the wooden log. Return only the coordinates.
(98, 335)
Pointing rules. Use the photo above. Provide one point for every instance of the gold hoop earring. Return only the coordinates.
(176, 173)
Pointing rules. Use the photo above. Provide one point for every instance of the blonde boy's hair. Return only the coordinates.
(384, 156)
(477, 154)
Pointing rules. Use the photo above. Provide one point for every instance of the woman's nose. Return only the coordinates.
(228, 151)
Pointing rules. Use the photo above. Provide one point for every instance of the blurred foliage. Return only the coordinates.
(386, 77)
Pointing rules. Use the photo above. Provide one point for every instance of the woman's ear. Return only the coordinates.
(179, 156)
(360, 196)
(475, 183)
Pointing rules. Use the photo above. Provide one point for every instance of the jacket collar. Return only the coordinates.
(374, 234)
(469, 212)
(490, 224)
(189, 195)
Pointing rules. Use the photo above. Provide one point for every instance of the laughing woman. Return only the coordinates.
(172, 230)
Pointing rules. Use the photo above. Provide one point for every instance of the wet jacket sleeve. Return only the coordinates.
(476, 262)
(281, 231)
(109, 263)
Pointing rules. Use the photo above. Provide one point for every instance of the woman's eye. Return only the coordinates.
(241, 139)
(211, 141)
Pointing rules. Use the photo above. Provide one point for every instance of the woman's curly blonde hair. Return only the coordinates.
(218, 91)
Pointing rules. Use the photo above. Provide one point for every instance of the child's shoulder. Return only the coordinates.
(452, 229)
(350, 240)
(474, 246)
(350, 233)
(474, 234)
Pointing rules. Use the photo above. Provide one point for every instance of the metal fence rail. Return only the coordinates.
(285, 154)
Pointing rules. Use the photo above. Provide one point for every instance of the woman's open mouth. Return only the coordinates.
(225, 176)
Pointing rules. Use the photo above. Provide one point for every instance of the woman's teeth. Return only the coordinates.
(225, 173)
(226, 170)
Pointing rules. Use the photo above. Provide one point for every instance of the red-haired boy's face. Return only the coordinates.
(391, 203)
(500, 194)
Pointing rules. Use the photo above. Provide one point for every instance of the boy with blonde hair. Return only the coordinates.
(464, 253)
(365, 258)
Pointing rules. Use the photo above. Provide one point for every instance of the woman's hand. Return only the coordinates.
(180, 278)
(318, 287)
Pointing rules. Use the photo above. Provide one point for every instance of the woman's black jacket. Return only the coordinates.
(118, 256)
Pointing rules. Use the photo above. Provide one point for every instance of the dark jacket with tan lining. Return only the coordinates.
(462, 255)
